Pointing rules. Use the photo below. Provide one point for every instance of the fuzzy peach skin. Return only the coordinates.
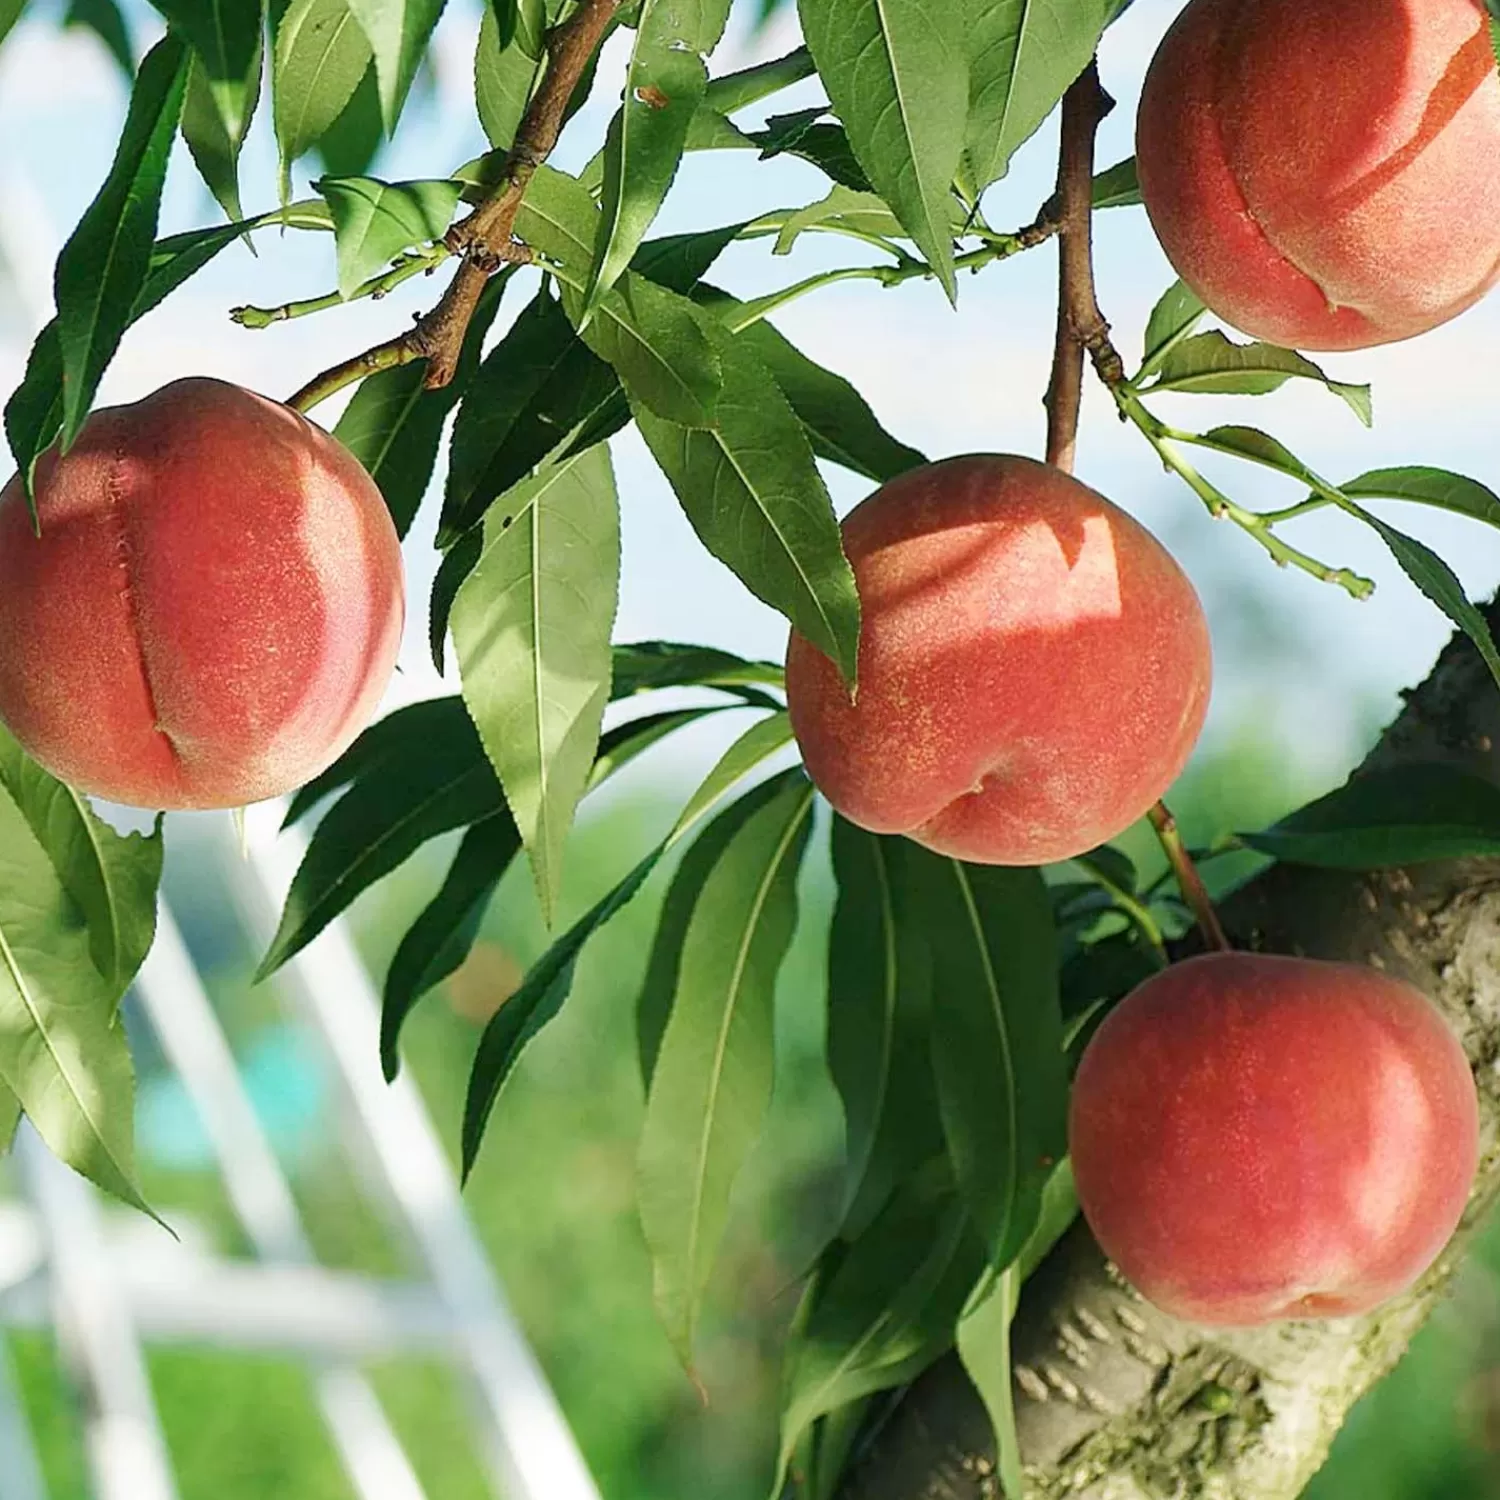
(1033, 666)
(1257, 1137)
(1325, 174)
(212, 609)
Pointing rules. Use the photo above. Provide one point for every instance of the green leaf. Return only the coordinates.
(394, 425)
(753, 494)
(664, 85)
(548, 981)
(808, 136)
(896, 72)
(1175, 315)
(429, 776)
(1440, 584)
(1118, 186)
(375, 221)
(61, 1052)
(736, 91)
(1403, 816)
(215, 146)
(996, 1035)
(458, 562)
(1022, 56)
(534, 389)
(1212, 363)
(680, 261)
(888, 1305)
(659, 987)
(531, 627)
(444, 931)
(101, 269)
(879, 1020)
(321, 54)
(225, 35)
(712, 1081)
(1427, 486)
(646, 666)
(505, 72)
(111, 878)
(105, 19)
(398, 32)
(836, 418)
(842, 211)
(349, 145)
(10, 13)
(1259, 447)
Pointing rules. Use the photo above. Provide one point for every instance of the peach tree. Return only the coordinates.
(993, 672)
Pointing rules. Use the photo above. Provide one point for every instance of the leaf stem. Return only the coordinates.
(404, 268)
(1189, 882)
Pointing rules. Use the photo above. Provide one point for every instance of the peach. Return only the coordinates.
(212, 609)
(1257, 1137)
(1033, 666)
(1325, 174)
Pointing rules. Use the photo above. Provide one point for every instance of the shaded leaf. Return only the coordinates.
(645, 666)
(807, 135)
(1403, 816)
(879, 999)
(107, 21)
(352, 142)
(712, 1081)
(754, 496)
(1428, 486)
(531, 627)
(458, 562)
(996, 1038)
(213, 144)
(549, 979)
(103, 266)
(1177, 312)
(1118, 186)
(896, 73)
(505, 72)
(397, 32)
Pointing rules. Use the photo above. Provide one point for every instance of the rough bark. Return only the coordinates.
(1116, 1401)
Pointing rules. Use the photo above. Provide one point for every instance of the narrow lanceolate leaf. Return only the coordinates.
(349, 145)
(320, 56)
(1212, 363)
(983, 1339)
(213, 144)
(996, 1036)
(1440, 584)
(896, 72)
(1118, 186)
(1178, 311)
(394, 424)
(535, 387)
(429, 776)
(62, 1054)
(1380, 819)
(836, 418)
(10, 13)
(444, 931)
(548, 981)
(888, 1307)
(659, 987)
(651, 335)
(1022, 55)
(373, 221)
(807, 135)
(646, 666)
(531, 627)
(664, 85)
(101, 269)
(398, 32)
(1426, 486)
(753, 494)
(111, 878)
(879, 996)
(712, 1081)
(226, 36)
(505, 72)
(107, 21)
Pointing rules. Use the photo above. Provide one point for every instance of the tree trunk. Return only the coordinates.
(1116, 1401)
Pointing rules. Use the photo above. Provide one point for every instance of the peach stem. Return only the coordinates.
(1189, 882)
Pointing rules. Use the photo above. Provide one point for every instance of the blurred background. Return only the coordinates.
(1306, 678)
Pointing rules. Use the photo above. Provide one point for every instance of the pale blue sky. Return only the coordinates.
(942, 382)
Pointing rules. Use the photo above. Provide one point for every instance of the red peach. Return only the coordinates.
(1257, 1137)
(212, 609)
(1325, 174)
(1033, 666)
